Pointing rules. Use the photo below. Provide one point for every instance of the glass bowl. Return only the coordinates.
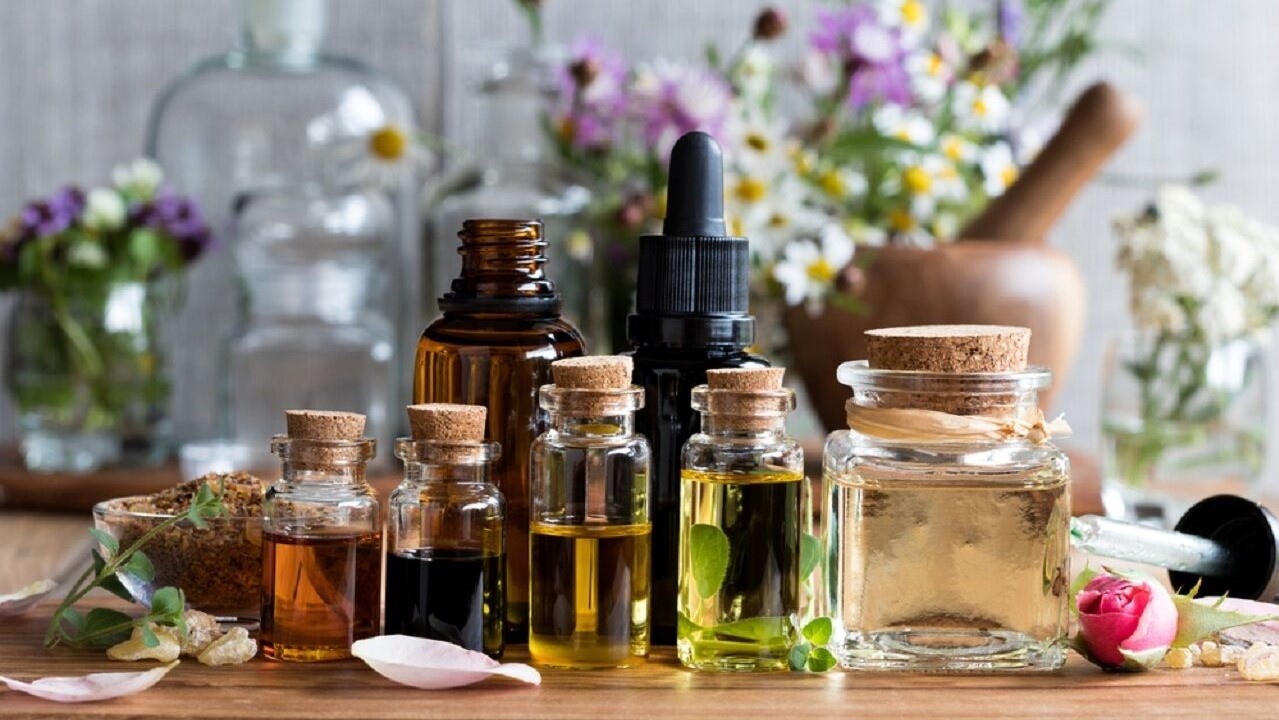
(218, 567)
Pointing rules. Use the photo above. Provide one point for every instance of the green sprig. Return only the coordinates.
(102, 627)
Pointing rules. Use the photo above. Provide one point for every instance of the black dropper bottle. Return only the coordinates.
(691, 315)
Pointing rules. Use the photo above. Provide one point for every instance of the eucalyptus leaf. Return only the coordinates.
(148, 636)
(759, 629)
(820, 660)
(818, 631)
(107, 541)
(810, 554)
(798, 657)
(708, 549)
(140, 567)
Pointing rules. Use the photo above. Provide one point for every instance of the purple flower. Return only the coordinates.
(1011, 14)
(873, 56)
(592, 95)
(180, 218)
(671, 99)
(54, 215)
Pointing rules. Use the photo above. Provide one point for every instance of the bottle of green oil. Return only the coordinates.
(744, 513)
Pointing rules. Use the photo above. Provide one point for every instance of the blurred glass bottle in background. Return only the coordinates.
(277, 115)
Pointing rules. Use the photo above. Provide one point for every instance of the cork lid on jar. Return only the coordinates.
(324, 437)
(745, 398)
(593, 385)
(447, 433)
(949, 348)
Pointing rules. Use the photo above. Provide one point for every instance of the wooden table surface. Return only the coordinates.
(264, 690)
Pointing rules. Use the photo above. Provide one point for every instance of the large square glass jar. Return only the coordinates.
(948, 523)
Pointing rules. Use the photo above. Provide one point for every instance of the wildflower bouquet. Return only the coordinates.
(1189, 396)
(905, 126)
(85, 357)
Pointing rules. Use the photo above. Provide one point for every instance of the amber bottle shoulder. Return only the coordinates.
(466, 330)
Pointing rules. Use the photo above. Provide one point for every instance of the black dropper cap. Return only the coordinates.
(694, 279)
(1249, 533)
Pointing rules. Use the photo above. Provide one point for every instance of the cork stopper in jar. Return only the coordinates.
(325, 438)
(324, 425)
(952, 350)
(448, 422)
(747, 398)
(949, 348)
(593, 385)
(593, 372)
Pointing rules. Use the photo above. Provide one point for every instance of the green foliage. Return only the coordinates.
(812, 655)
(103, 627)
(708, 551)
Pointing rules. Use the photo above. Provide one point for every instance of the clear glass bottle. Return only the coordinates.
(276, 112)
(446, 558)
(745, 507)
(313, 331)
(947, 554)
(589, 537)
(493, 346)
(321, 541)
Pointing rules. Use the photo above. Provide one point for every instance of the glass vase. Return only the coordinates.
(1182, 419)
(87, 370)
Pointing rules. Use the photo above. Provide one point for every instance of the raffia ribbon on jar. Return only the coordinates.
(933, 426)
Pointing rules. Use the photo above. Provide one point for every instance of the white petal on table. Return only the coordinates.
(434, 664)
(17, 603)
(88, 688)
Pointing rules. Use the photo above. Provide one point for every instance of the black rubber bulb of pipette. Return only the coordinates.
(695, 190)
(1249, 533)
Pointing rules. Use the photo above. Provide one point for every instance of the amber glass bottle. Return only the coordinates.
(493, 345)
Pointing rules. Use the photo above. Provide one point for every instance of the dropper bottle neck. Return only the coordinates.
(287, 32)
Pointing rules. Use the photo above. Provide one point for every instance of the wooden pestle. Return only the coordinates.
(1095, 127)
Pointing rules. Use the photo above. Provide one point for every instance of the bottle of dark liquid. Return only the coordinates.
(321, 541)
(445, 560)
(589, 589)
(500, 331)
(691, 315)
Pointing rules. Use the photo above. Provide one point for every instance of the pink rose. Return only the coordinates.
(1125, 622)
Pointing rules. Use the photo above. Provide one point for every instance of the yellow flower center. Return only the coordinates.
(803, 163)
(757, 142)
(952, 148)
(735, 227)
(914, 13)
(979, 107)
(935, 65)
(1008, 174)
(901, 220)
(821, 271)
(778, 220)
(903, 134)
(388, 143)
(833, 185)
(917, 180)
(750, 190)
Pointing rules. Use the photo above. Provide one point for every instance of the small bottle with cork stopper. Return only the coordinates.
(446, 557)
(947, 507)
(589, 536)
(321, 540)
(745, 512)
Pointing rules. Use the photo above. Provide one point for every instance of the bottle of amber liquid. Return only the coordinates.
(745, 511)
(691, 315)
(445, 556)
(321, 541)
(589, 549)
(493, 346)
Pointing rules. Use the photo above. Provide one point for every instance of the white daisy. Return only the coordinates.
(981, 107)
(138, 179)
(909, 15)
(808, 269)
(104, 209)
(998, 169)
(907, 125)
(930, 76)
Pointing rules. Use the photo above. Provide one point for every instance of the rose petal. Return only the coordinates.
(19, 602)
(1103, 633)
(1158, 624)
(88, 688)
(434, 664)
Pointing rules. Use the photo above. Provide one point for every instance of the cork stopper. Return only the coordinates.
(593, 372)
(747, 398)
(949, 348)
(745, 379)
(329, 438)
(448, 422)
(324, 425)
